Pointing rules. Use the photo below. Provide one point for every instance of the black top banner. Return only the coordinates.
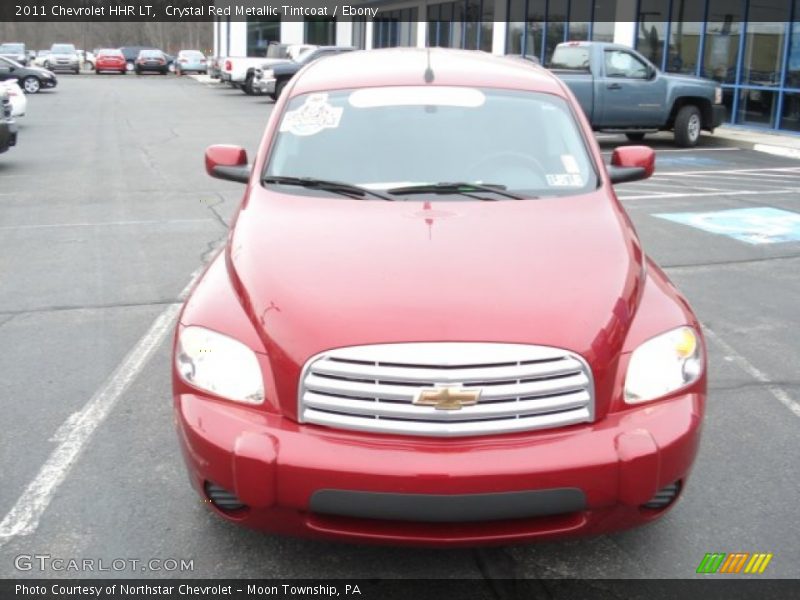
(186, 10)
(346, 10)
(710, 588)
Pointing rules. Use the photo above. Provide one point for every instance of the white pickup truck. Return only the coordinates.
(238, 71)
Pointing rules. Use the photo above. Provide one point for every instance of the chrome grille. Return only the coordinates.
(372, 388)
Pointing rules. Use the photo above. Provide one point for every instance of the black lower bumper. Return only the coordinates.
(8, 135)
(458, 508)
(717, 115)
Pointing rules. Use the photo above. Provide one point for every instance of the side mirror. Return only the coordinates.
(227, 162)
(631, 163)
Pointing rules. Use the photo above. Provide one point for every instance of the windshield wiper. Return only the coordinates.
(337, 187)
(456, 187)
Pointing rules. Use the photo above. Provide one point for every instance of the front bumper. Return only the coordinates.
(152, 68)
(717, 115)
(64, 66)
(8, 135)
(111, 67)
(313, 481)
(265, 86)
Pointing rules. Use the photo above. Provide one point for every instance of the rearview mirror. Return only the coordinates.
(227, 162)
(631, 163)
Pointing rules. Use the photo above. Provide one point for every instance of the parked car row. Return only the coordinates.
(144, 60)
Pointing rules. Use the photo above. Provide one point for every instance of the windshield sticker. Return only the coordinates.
(570, 164)
(565, 180)
(315, 115)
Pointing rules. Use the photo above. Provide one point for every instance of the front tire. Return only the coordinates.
(247, 88)
(31, 85)
(688, 125)
(279, 89)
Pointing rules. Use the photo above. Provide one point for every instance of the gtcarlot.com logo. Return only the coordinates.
(736, 563)
(46, 562)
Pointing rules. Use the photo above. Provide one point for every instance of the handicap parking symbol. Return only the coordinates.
(752, 225)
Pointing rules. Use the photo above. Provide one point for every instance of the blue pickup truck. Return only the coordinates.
(621, 91)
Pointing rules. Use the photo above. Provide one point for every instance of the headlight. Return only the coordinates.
(663, 364)
(718, 95)
(220, 365)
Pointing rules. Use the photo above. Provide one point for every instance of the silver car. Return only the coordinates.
(15, 51)
(63, 57)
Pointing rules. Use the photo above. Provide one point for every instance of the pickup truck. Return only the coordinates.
(621, 91)
(271, 79)
(238, 71)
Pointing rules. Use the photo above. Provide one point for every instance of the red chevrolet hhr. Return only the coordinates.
(433, 322)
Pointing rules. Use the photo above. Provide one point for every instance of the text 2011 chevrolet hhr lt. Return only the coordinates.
(433, 322)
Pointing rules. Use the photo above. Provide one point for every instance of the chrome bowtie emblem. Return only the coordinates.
(447, 398)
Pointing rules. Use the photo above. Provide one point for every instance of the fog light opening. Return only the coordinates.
(664, 497)
(223, 499)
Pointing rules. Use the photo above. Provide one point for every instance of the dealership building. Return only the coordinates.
(752, 47)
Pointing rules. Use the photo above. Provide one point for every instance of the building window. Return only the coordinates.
(262, 33)
(395, 28)
(651, 31)
(721, 44)
(486, 32)
(763, 52)
(536, 27)
(320, 31)
(360, 32)
(462, 24)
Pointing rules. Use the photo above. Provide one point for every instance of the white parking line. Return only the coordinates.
(710, 172)
(692, 150)
(659, 196)
(75, 432)
(777, 392)
(105, 224)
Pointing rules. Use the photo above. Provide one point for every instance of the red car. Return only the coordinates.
(110, 60)
(433, 322)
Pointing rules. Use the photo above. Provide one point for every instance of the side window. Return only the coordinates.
(623, 64)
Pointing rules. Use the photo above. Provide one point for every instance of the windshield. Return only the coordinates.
(277, 51)
(62, 49)
(10, 61)
(391, 137)
(13, 48)
(574, 58)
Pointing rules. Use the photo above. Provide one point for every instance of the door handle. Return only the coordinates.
(614, 86)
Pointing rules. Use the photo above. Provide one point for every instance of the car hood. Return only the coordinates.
(691, 79)
(41, 71)
(315, 273)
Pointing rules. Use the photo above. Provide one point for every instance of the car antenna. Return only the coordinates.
(429, 77)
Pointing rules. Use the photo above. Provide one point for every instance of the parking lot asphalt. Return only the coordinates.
(105, 215)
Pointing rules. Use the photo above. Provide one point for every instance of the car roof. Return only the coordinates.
(408, 66)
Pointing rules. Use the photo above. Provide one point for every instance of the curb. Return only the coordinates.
(740, 139)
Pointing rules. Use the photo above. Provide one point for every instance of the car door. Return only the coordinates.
(634, 94)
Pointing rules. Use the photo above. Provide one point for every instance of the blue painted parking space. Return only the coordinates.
(764, 225)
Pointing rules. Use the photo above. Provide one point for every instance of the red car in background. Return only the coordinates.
(433, 322)
(109, 59)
